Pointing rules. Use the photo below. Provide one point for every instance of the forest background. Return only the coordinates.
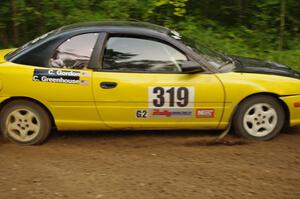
(264, 29)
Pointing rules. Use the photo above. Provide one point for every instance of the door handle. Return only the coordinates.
(108, 85)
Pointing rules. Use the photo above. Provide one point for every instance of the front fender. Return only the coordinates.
(239, 86)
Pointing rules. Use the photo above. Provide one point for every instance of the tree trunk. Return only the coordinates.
(40, 20)
(3, 37)
(15, 28)
(282, 25)
(240, 12)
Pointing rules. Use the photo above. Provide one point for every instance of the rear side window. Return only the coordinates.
(74, 53)
(141, 55)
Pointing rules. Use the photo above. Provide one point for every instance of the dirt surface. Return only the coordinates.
(151, 165)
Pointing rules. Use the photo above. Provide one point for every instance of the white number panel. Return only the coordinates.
(171, 97)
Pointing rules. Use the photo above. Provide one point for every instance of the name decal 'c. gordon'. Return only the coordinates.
(57, 76)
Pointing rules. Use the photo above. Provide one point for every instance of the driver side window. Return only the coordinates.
(74, 53)
(129, 54)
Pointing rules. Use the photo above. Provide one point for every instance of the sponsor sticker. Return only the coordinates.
(141, 114)
(85, 74)
(171, 97)
(84, 82)
(171, 113)
(158, 112)
(169, 102)
(205, 113)
(59, 76)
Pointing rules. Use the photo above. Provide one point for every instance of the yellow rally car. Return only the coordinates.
(125, 75)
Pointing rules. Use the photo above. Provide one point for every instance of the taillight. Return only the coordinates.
(297, 104)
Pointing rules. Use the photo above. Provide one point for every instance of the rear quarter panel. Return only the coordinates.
(72, 105)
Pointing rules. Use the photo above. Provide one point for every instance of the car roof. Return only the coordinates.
(38, 54)
(121, 25)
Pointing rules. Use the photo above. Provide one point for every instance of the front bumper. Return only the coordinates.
(294, 111)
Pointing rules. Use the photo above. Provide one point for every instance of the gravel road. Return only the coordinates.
(159, 164)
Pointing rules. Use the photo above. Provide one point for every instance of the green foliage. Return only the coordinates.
(253, 28)
(178, 6)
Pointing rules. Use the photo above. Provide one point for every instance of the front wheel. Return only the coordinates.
(259, 118)
(25, 122)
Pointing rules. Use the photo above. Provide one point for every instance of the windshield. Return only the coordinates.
(214, 58)
(30, 44)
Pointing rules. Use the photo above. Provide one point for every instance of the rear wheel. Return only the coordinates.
(259, 118)
(25, 122)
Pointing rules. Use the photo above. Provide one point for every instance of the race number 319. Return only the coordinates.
(171, 97)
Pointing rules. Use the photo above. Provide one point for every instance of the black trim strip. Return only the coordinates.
(97, 54)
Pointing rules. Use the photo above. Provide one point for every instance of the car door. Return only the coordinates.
(141, 86)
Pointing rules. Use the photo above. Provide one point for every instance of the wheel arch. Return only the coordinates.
(31, 100)
(276, 96)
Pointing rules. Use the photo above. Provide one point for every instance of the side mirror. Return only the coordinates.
(191, 67)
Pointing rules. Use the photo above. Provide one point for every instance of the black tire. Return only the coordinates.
(25, 122)
(247, 129)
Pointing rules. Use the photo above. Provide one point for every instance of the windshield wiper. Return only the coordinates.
(226, 63)
(229, 59)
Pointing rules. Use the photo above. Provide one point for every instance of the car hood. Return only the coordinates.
(3, 53)
(249, 65)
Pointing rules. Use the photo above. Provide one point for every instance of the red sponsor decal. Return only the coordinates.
(164, 113)
(297, 104)
(205, 113)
